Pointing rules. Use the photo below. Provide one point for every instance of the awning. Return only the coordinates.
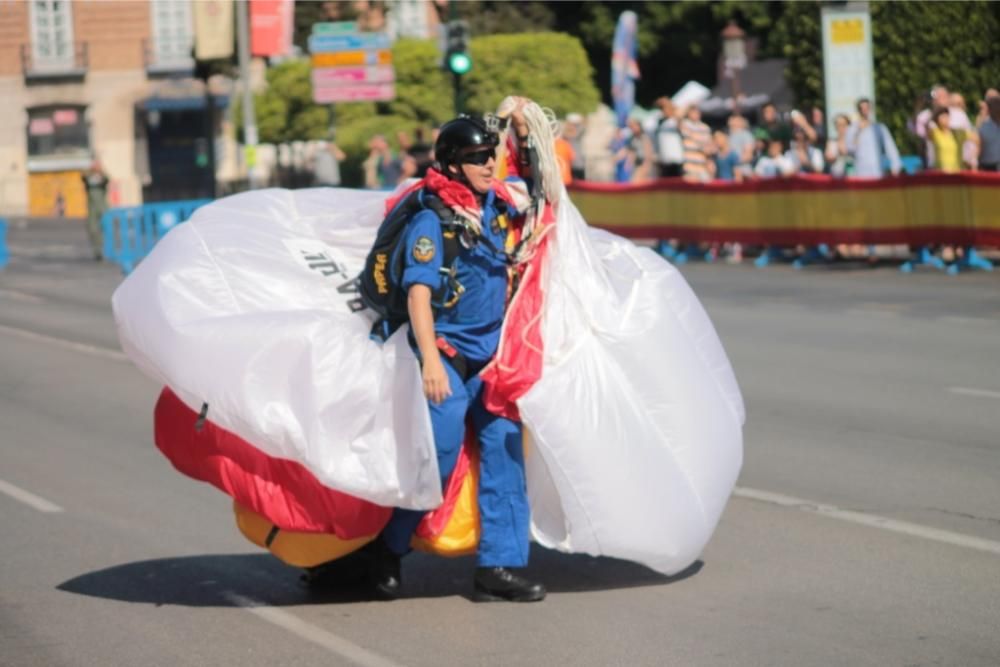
(157, 103)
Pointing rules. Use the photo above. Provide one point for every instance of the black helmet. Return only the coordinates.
(459, 136)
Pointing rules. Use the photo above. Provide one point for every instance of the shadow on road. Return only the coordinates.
(214, 580)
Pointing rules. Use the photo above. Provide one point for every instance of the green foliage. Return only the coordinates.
(919, 44)
(285, 110)
(423, 90)
(915, 44)
(550, 68)
(495, 18)
(799, 35)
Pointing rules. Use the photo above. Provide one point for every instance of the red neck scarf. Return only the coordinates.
(456, 196)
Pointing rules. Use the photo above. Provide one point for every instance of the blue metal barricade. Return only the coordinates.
(131, 232)
(4, 253)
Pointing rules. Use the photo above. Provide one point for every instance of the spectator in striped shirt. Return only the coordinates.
(698, 146)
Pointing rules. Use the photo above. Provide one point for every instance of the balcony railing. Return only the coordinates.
(73, 65)
(158, 64)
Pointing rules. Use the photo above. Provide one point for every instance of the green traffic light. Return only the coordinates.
(459, 63)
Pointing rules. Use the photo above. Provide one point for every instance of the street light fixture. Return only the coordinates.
(734, 53)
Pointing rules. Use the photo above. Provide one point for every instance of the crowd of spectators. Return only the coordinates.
(675, 142)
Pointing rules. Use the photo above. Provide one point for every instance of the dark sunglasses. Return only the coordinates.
(479, 157)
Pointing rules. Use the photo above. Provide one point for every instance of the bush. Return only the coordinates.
(550, 68)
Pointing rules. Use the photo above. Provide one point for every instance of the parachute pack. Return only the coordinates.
(380, 283)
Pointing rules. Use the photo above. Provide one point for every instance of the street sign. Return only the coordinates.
(367, 92)
(332, 76)
(350, 66)
(335, 28)
(848, 67)
(352, 58)
(364, 40)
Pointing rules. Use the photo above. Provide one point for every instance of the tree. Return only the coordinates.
(550, 68)
(915, 45)
(423, 89)
(285, 110)
(919, 44)
(677, 41)
(496, 18)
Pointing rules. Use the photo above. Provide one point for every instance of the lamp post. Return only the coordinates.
(734, 53)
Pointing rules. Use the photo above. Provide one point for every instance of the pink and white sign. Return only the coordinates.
(377, 92)
(334, 76)
(41, 126)
(65, 116)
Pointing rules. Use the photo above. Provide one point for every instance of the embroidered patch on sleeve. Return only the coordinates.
(423, 250)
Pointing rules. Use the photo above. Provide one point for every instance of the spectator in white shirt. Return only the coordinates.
(774, 163)
(806, 158)
(667, 140)
(838, 158)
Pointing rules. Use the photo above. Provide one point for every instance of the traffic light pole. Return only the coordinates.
(456, 79)
(459, 96)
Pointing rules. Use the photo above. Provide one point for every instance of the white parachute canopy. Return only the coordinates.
(635, 425)
(637, 419)
(247, 307)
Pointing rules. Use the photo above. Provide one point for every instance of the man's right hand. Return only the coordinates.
(436, 386)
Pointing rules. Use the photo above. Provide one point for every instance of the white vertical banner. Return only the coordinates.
(848, 67)
(213, 29)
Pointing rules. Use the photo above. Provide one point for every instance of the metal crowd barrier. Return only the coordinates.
(131, 232)
(4, 253)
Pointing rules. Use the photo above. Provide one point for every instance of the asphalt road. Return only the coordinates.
(865, 529)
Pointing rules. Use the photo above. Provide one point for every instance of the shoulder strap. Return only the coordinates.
(881, 139)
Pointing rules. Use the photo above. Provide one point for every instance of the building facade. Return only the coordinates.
(106, 81)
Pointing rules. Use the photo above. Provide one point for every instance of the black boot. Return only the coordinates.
(499, 583)
(385, 571)
(342, 573)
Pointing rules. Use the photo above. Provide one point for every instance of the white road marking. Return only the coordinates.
(871, 520)
(981, 393)
(21, 296)
(333, 643)
(28, 498)
(67, 344)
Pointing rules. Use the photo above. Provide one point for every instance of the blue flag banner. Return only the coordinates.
(624, 68)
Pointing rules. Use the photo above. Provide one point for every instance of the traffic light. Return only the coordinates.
(456, 55)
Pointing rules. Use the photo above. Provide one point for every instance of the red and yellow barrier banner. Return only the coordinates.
(928, 208)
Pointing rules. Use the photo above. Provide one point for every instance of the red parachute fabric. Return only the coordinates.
(283, 491)
(517, 365)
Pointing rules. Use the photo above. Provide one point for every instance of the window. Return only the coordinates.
(173, 36)
(52, 34)
(57, 131)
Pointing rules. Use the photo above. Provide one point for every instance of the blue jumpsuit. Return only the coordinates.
(472, 327)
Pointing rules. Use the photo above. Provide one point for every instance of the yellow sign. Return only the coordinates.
(342, 58)
(847, 31)
(57, 194)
